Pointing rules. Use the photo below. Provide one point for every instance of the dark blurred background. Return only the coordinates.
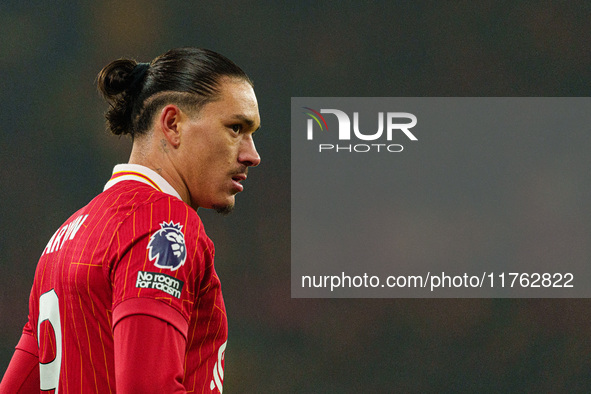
(56, 156)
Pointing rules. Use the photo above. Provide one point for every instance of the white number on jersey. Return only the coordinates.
(49, 310)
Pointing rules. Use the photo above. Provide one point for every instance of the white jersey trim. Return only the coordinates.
(157, 182)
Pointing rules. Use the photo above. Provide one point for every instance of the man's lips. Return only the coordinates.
(236, 179)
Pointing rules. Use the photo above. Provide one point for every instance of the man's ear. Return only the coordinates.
(169, 122)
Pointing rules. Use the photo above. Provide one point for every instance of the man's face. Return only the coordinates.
(219, 147)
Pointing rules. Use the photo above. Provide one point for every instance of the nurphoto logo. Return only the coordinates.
(395, 123)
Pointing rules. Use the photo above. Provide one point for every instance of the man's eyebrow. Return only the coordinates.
(249, 122)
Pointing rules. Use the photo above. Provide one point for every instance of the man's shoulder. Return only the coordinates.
(146, 208)
(130, 196)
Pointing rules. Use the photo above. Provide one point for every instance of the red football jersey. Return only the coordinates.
(135, 249)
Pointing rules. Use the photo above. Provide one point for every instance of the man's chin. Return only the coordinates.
(224, 209)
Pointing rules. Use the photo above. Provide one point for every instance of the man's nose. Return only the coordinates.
(248, 154)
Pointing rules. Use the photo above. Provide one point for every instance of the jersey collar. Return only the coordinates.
(136, 172)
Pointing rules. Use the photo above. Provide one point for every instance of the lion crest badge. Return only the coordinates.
(167, 246)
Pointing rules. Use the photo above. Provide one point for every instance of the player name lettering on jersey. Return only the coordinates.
(65, 233)
(154, 280)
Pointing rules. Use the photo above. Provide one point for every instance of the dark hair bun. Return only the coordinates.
(115, 78)
(114, 82)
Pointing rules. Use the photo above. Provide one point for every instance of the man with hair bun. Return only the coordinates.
(125, 296)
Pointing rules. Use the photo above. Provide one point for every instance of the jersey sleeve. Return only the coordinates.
(152, 346)
(22, 374)
(158, 261)
(28, 341)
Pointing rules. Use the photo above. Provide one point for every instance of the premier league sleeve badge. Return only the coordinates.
(167, 246)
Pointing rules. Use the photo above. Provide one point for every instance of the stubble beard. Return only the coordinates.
(224, 210)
